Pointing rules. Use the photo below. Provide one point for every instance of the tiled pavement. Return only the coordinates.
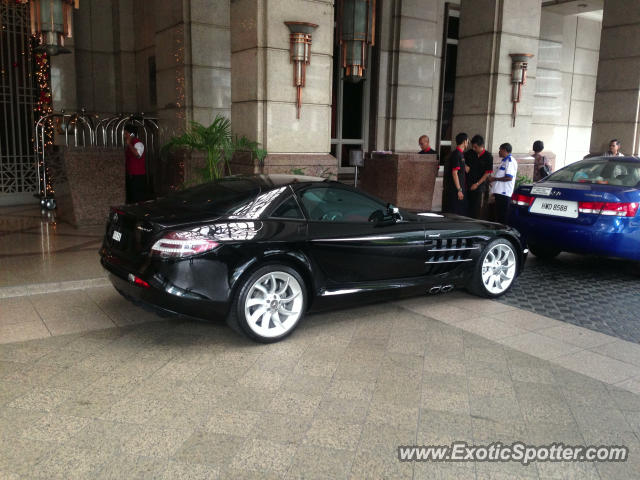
(601, 294)
(184, 399)
(112, 391)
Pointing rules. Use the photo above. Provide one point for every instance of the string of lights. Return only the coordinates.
(179, 56)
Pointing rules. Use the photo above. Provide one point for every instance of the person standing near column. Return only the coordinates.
(454, 186)
(136, 167)
(425, 148)
(614, 149)
(479, 168)
(541, 166)
(503, 182)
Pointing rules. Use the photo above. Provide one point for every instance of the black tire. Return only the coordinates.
(237, 318)
(544, 252)
(476, 285)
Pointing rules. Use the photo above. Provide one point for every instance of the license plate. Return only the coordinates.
(116, 235)
(556, 208)
(536, 190)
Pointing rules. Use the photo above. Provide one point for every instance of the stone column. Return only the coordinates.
(211, 59)
(172, 39)
(263, 95)
(63, 79)
(617, 103)
(94, 56)
(124, 28)
(489, 31)
(410, 45)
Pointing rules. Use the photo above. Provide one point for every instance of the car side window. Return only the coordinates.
(288, 209)
(330, 204)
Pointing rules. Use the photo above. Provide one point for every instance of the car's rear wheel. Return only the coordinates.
(544, 252)
(269, 304)
(496, 269)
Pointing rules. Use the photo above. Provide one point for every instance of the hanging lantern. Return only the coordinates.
(51, 21)
(356, 22)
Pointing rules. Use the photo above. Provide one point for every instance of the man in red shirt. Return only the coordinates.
(136, 168)
(423, 141)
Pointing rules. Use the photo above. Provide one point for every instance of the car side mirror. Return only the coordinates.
(394, 211)
(380, 218)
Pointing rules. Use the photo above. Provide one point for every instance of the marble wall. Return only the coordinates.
(617, 100)
(566, 84)
(411, 33)
(263, 95)
(95, 56)
(119, 44)
(490, 31)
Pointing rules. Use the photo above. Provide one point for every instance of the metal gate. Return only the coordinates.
(18, 96)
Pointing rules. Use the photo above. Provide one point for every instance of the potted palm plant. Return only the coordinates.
(218, 144)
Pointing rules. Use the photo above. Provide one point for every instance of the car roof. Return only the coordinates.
(626, 158)
(276, 180)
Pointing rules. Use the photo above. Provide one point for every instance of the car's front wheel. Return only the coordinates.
(269, 304)
(496, 269)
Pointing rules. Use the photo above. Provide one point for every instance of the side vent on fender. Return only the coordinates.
(445, 254)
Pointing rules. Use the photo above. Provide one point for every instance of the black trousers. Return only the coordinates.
(453, 205)
(502, 207)
(477, 203)
(136, 188)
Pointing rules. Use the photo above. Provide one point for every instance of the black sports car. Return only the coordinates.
(263, 250)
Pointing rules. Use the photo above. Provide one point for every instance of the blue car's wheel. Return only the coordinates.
(544, 252)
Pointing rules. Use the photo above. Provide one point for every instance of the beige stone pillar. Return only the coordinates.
(124, 28)
(489, 31)
(263, 95)
(172, 40)
(94, 56)
(617, 104)
(410, 38)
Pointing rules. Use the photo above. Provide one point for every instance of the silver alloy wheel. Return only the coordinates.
(498, 268)
(273, 304)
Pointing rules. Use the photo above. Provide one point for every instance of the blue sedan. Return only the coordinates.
(590, 206)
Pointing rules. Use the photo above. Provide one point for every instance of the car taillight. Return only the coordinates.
(182, 244)
(614, 209)
(522, 200)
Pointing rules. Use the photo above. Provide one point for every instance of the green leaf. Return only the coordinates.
(218, 143)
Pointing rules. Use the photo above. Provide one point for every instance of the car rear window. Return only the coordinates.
(605, 172)
(222, 197)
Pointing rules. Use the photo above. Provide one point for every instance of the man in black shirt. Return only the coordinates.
(423, 141)
(454, 199)
(479, 164)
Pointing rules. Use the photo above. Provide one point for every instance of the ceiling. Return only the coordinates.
(585, 8)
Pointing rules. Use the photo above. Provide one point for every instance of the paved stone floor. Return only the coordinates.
(601, 294)
(183, 399)
(94, 387)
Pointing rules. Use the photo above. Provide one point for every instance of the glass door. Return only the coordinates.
(349, 113)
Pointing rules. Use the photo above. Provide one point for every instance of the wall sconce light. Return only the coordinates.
(519, 63)
(356, 23)
(300, 54)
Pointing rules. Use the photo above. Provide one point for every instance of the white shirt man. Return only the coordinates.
(503, 182)
(614, 149)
